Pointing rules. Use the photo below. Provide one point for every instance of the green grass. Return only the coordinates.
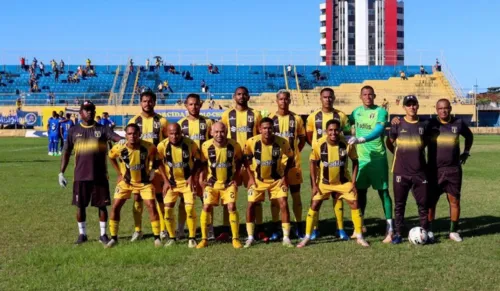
(38, 227)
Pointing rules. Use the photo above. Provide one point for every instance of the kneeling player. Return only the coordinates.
(135, 158)
(223, 157)
(181, 158)
(331, 153)
(266, 155)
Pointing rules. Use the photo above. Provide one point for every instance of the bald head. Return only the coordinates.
(174, 133)
(219, 133)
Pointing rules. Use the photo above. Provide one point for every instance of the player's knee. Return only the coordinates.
(231, 207)
(353, 204)
(137, 198)
(169, 205)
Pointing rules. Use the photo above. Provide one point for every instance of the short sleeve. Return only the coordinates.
(382, 116)
(352, 152)
(286, 148)
(346, 126)
(204, 153)
(115, 151)
(163, 122)
(352, 118)
(161, 150)
(247, 151)
(223, 119)
(310, 123)
(238, 155)
(300, 127)
(315, 153)
(132, 120)
(258, 118)
(209, 127)
(393, 134)
(195, 151)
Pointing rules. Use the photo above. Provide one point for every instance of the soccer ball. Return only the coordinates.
(417, 236)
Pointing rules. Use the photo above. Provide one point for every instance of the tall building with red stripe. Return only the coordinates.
(362, 32)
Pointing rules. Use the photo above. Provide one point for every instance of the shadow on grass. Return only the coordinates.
(26, 161)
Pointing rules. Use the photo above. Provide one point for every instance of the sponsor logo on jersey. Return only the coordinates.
(319, 131)
(343, 153)
(185, 155)
(137, 167)
(334, 164)
(149, 135)
(266, 163)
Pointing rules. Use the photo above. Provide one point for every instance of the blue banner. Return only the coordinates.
(21, 118)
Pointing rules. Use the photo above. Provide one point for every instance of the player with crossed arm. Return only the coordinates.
(369, 120)
(181, 157)
(154, 130)
(136, 161)
(290, 126)
(197, 128)
(242, 123)
(315, 129)
(90, 186)
(223, 158)
(331, 153)
(265, 158)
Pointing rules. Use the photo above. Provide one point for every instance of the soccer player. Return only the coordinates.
(290, 126)
(64, 126)
(445, 160)
(154, 130)
(331, 153)
(265, 157)
(90, 185)
(369, 120)
(223, 157)
(53, 133)
(242, 123)
(136, 161)
(409, 166)
(181, 157)
(106, 121)
(315, 129)
(61, 138)
(198, 129)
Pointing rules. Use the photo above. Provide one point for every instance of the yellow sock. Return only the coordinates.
(258, 214)
(191, 220)
(339, 213)
(234, 220)
(275, 211)
(286, 229)
(137, 212)
(204, 219)
(182, 213)
(170, 221)
(316, 221)
(357, 220)
(312, 218)
(225, 216)
(113, 227)
(297, 206)
(161, 211)
(155, 226)
(250, 229)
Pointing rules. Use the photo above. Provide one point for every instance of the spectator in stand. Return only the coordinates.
(48, 99)
(131, 65)
(167, 86)
(171, 69)
(53, 64)
(31, 83)
(316, 74)
(88, 63)
(203, 86)
(34, 62)
(19, 103)
(76, 79)
(77, 102)
(52, 98)
(91, 73)
(23, 63)
(210, 68)
(438, 65)
(79, 71)
(160, 87)
(422, 71)
(147, 65)
(211, 103)
(403, 75)
(289, 70)
(385, 104)
(42, 69)
(61, 66)
(56, 75)
(69, 79)
(216, 70)
(157, 64)
(188, 76)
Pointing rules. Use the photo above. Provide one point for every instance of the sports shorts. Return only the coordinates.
(339, 191)
(256, 193)
(211, 195)
(124, 190)
(182, 191)
(373, 173)
(94, 192)
(446, 180)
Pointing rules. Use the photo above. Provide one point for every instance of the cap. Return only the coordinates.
(409, 99)
(87, 105)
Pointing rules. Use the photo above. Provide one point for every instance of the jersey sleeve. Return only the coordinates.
(300, 127)
(346, 125)
(204, 153)
(223, 119)
(315, 153)
(258, 118)
(286, 148)
(248, 150)
(209, 128)
(310, 123)
(352, 152)
(195, 151)
(382, 116)
(132, 120)
(238, 154)
(110, 134)
(115, 151)
(161, 150)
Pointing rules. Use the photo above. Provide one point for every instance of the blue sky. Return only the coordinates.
(245, 32)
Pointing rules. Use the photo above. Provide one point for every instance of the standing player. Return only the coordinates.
(53, 133)
(136, 160)
(369, 120)
(290, 126)
(91, 177)
(197, 128)
(154, 130)
(331, 153)
(61, 138)
(445, 160)
(223, 157)
(409, 165)
(64, 127)
(242, 123)
(181, 157)
(266, 155)
(315, 129)
(106, 121)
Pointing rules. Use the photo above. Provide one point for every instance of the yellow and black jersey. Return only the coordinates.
(411, 139)
(178, 159)
(333, 161)
(316, 122)
(135, 164)
(198, 130)
(292, 128)
(152, 128)
(241, 125)
(268, 161)
(221, 162)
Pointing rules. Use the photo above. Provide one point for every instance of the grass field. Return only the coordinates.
(38, 228)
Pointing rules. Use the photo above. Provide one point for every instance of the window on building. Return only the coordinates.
(371, 11)
(351, 35)
(351, 23)
(371, 23)
(371, 35)
(401, 58)
(371, 47)
(401, 46)
(401, 10)
(351, 47)
(323, 35)
(401, 34)
(400, 22)
(323, 23)
(323, 11)
(323, 59)
(323, 47)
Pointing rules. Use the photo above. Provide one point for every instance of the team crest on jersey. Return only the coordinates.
(421, 130)
(143, 156)
(342, 152)
(97, 134)
(250, 118)
(292, 123)
(229, 154)
(398, 179)
(203, 126)
(156, 125)
(454, 129)
(276, 153)
(319, 131)
(372, 115)
(185, 155)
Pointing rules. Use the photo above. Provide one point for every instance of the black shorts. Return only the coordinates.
(95, 193)
(446, 180)
(418, 184)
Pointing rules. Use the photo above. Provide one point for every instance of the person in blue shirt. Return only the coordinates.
(61, 140)
(106, 121)
(64, 127)
(53, 133)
